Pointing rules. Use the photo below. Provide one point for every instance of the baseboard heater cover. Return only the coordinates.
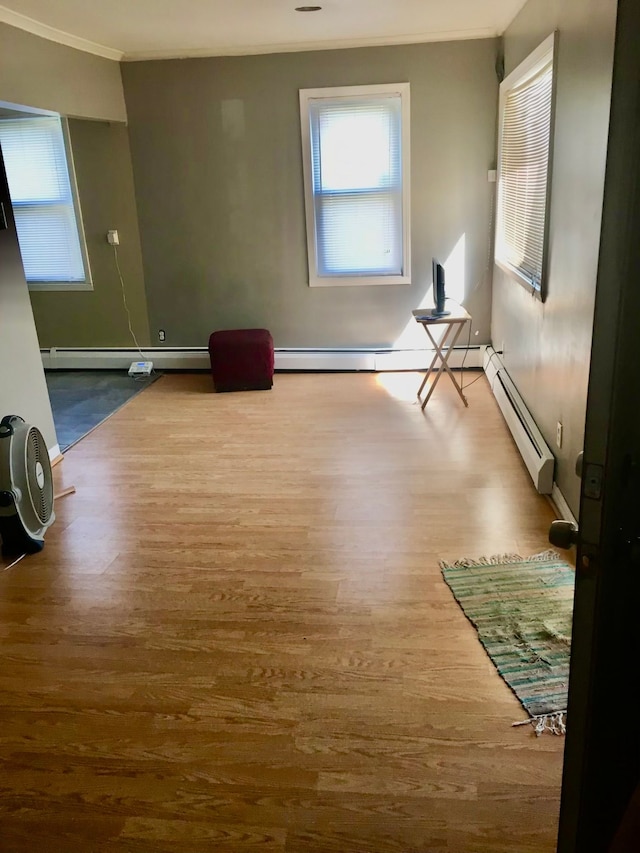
(535, 452)
(560, 504)
(197, 358)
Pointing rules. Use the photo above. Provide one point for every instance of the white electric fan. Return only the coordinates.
(26, 487)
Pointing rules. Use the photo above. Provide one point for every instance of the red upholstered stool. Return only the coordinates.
(241, 359)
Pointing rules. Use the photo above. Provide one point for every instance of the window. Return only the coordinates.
(44, 202)
(526, 99)
(356, 169)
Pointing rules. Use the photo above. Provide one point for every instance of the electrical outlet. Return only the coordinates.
(161, 335)
(559, 434)
(113, 238)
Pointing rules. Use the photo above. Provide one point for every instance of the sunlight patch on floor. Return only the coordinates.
(402, 385)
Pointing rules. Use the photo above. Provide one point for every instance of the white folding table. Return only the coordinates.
(454, 323)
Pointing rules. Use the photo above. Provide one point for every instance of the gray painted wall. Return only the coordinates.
(107, 197)
(23, 390)
(547, 346)
(35, 72)
(41, 74)
(218, 171)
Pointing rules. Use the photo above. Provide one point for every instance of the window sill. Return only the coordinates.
(522, 280)
(47, 286)
(357, 280)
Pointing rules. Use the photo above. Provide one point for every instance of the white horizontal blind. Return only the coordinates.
(523, 175)
(356, 153)
(38, 176)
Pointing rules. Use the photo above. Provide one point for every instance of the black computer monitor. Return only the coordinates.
(438, 289)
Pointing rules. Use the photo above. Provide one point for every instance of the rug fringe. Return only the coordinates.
(555, 723)
(544, 556)
(495, 560)
(498, 559)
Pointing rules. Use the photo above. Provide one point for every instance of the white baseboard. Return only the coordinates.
(54, 452)
(197, 358)
(118, 358)
(323, 360)
(561, 505)
(421, 359)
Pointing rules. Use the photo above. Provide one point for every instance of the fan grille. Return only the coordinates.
(38, 460)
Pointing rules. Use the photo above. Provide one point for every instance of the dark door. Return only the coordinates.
(602, 754)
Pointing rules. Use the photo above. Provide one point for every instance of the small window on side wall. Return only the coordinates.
(524, 168)
(355, 144)
(41, 182)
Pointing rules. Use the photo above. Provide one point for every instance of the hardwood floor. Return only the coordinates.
(237, 636)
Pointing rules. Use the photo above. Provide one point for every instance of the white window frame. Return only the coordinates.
(307, 95)
(525, 71)
(48, 286)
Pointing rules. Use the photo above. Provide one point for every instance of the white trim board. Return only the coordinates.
(37, 28)
(197, 358)
(54, 452)
(561, 505)
(312, 103)
(30, 25)
(301, 47)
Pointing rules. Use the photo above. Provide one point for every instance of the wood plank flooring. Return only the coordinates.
(237, 637)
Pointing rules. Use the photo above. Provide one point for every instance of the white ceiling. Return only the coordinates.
(143, 29)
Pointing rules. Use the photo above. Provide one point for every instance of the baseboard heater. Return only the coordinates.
(534, 450)
(197, 358)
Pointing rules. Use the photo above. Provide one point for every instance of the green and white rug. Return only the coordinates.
(522, 610)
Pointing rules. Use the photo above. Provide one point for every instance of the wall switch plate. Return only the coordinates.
(559, 434)
(492, 176)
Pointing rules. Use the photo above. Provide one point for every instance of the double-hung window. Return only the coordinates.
(44, 200)
(525, 136)
(356, 172)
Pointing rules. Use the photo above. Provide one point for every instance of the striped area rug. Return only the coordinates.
(522, 610)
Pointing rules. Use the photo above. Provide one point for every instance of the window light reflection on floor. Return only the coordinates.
(401, 385)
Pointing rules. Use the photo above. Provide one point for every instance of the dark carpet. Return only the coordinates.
(83, 399)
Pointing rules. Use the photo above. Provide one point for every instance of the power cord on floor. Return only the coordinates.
(491, 357)
(464, 360)
(466, 353)
(126, 308)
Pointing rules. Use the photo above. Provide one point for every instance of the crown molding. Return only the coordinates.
(299, 47)
(22, 22)
(30, 25)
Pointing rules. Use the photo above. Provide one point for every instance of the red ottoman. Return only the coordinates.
(241, 359)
